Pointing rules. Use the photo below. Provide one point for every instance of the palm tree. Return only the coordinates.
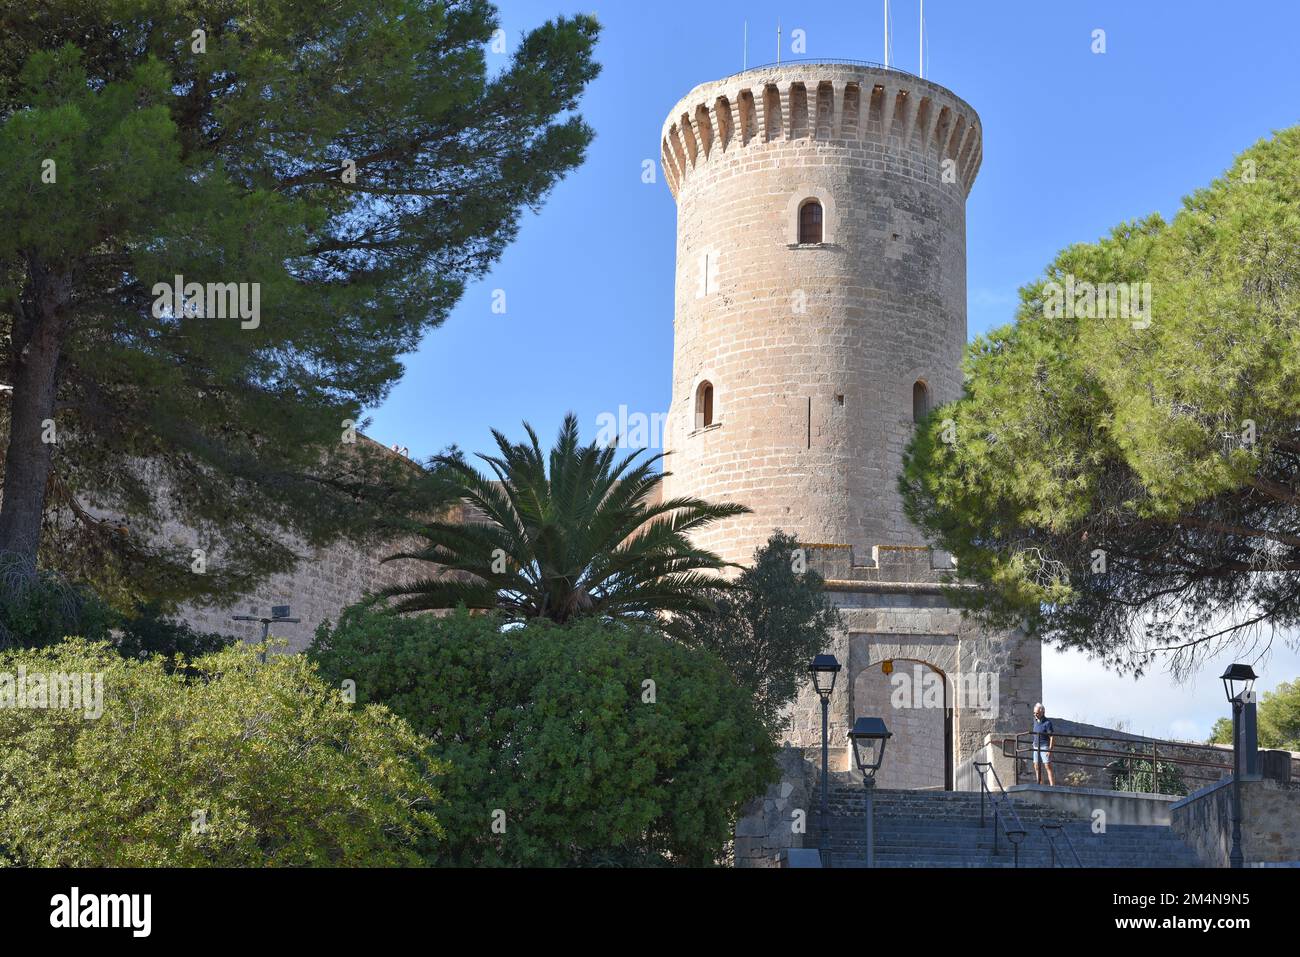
(576, 539)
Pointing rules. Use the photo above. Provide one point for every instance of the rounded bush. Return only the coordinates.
(587, 743)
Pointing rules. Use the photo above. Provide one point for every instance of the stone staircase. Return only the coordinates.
(942, 829)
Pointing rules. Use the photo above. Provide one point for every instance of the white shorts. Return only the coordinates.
(1042, 756)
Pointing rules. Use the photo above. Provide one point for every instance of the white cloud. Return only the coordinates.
(1078, 688)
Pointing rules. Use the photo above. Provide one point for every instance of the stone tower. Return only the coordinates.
(811, 351)
(820, 311)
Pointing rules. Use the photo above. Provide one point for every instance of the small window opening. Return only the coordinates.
(920, 401)
(704, 405)
(810, 222)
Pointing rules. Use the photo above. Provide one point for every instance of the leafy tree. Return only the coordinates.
(1129, 484)
(563, 536)
(768, 627)
(1277, 719)
(355, 163)
(584, 744)
(1221, 732)
(250, 764)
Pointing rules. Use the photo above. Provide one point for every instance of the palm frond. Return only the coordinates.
(565, 533)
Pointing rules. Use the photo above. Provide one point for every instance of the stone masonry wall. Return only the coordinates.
(813, 350)
(1269, 832)
(325, 582)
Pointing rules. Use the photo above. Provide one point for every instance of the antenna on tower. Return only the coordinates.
(778, 41)
(886, 34)
(922, 42)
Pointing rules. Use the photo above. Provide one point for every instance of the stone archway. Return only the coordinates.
(916, 702)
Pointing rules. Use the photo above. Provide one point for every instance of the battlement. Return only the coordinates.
(839, 103)
(842, 565)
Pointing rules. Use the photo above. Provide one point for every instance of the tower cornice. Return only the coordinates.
(833, 101)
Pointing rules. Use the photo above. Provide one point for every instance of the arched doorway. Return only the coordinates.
(915, 700)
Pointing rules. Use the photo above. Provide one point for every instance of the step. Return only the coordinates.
(944, 829)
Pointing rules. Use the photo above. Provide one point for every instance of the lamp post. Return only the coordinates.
(279, 613)
(869, 736)
(824, 668)
(1237, 682)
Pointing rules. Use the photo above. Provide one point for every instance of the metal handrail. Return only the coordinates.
(1135, 739)
(1153, 743)
(827, 61)
(1141, 749)
(1051, 840)
(1011, 833)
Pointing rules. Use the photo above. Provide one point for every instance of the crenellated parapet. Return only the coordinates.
(882, 567)
(828, 102)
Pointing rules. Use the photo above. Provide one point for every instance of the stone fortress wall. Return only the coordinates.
(964, 682)
(326, 581)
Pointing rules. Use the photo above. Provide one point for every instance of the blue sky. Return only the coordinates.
(1074, 143)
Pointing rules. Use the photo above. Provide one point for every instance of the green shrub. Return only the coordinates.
(44, 612)
(239, 764)
(592, 743)
(1135, 774)
(35, 614)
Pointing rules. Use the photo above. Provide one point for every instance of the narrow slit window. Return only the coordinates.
(810, 222)
(920, 401)
(704, 405)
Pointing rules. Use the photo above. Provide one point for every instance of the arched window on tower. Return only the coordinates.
(810, 222)
(704, 405)
(920, 401)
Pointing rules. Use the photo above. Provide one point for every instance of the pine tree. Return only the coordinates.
(1128, 481)
(330, 175)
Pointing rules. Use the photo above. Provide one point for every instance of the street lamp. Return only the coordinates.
(1237, 680)
(1237, 683)
(824, 668)
(279, 614)
(869, 736)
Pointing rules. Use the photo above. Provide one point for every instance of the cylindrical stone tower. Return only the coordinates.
(821, 293)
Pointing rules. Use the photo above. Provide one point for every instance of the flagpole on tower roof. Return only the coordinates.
(886, 34)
